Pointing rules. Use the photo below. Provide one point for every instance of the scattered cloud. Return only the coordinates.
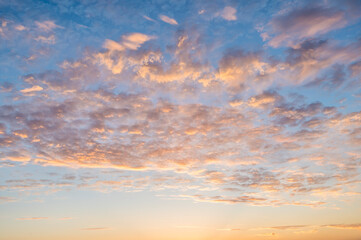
(188, 113)
(252, 104)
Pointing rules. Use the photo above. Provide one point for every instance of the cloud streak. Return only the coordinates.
(168, 20)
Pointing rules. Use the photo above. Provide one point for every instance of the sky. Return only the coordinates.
(180, 119)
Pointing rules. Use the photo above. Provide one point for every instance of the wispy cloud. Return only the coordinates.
(47, 26)
(356, 226)
(167, 19)
(148, 18)
(308, 22)
(32, 218)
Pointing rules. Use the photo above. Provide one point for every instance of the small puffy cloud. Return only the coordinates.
(167, 19)
(3, 27)
(228, 13)
(4, 23)
(20, 27)
(264, 100)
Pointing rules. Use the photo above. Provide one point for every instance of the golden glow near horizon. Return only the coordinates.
(158, 120)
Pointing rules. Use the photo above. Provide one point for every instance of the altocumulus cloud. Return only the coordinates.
(158, 108)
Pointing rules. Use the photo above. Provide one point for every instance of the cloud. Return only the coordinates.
(148, 18)
(355, 69)
(228, 200)
(47, 26)
(310, 58)
(112, 45)
(131, 41)
(289, 227)
(32, 89)
(167, 19)
(7, 199)
(228, 13)
(228, 229)
(32, 218)
(300, 24)
(48, 40)
(135, 40)
(20, 27)
(264, 100)
(355, 226)
(240, 68)
(114, 59)
(172, 119)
